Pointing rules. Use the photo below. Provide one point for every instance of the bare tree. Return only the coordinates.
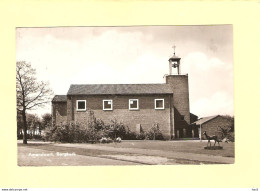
(19, 121)
(30, 93)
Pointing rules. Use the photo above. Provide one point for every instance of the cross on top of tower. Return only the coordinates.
(174, 49)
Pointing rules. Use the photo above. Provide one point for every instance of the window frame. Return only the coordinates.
(110, 109)
(77, 106)
(161, 99)
(130, 104)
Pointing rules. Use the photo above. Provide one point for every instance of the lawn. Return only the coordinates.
(173, 146)
(173, 152)
(178, 146)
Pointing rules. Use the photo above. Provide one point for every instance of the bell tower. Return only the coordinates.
(174, 62)
(179, 84)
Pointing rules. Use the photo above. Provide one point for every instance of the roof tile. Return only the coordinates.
(204, 120)
(60, 98)
(104, 89)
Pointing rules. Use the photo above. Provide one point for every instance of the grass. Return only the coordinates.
(178, 146)
(149, 145)
(173, 146)
(176, 152)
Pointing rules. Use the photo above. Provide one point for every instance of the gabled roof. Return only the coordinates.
(193, 115)
(60, 98)
(204, 120)
(105, 89)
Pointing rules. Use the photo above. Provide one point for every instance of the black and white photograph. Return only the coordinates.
(125, 95)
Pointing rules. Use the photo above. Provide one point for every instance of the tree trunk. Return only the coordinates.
(18, 131)
(24, 128)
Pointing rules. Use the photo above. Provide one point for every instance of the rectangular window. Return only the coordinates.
(107, 105)
(133, 104)
(81, 105)
(159, 104)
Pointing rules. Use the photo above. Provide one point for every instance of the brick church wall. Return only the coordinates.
(146, 115)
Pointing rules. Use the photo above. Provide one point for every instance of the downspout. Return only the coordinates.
(171, 124)
(72, 109)
(200, 134)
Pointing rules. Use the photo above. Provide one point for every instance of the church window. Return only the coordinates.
(107, 105)
(159, 104)
(133, 104)
(81, 105)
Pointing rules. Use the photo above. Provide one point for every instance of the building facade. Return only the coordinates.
(211, 125)
(136, 105)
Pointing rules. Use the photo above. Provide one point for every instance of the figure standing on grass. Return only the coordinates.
(214, 137)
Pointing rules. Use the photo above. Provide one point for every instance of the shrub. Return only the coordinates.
(140, 136)
(69, 133)
(226, 133)
(48, 132)
(118, 129)
(95, 130)
(231, 137)
(154, 133)
(76, 132)
(39, 137)
(129, 135)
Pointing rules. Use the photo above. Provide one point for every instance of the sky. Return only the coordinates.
(134, 55)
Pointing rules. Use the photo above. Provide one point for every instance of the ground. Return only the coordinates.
(37, 153)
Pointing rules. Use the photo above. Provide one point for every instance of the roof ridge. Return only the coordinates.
(209, 116)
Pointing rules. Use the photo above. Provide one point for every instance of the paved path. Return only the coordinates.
(168, 154)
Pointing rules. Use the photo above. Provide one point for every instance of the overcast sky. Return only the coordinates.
(126, 55)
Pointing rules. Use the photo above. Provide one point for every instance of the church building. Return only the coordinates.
(136, 105)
